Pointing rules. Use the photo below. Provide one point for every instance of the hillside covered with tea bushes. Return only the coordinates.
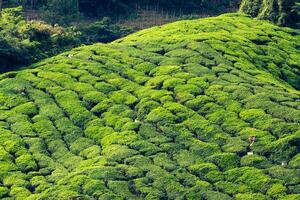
(164, 113)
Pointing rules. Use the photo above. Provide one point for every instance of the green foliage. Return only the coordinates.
(282, 12)
(255, 161)
(277, 190)
(202, 169)
(26, 163)
(107, 121)
(3, 192)
(92, 187)
(161, 116)
(232, 188)
(24, 42)
(290, 176)
(248, 196)
(225, 161)
(101, 31)
(61, 11)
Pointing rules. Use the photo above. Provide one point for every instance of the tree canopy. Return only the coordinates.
(282, 12)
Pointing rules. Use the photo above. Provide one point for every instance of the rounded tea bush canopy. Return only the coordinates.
(165, 113)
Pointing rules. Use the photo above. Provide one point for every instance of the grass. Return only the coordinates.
(164, 113)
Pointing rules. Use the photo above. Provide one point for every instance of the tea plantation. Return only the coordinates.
(164, 113)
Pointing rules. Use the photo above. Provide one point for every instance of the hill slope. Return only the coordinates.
(161, 114)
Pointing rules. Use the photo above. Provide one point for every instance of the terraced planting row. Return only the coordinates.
(165, 113)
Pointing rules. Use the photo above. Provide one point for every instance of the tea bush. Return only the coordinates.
(165, 113)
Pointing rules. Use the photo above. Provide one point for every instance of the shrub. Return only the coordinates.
(145, 67)
(94, 97)
(284, 148)
(295, 161)
(254, 178)
(27, 109)
(171, 83)
(82, 88)
(65, 126)
(26, 163)
(232, 188)
(290, 176)
(98, 132)
(188, 88)
(91, 152)
(130, 126)
(91, 187)
(255, 161)
(249, 196)
(140, 161)
(37, 180)
(3, 192)
(214, 176)
(121, 188)
(123, 97)
(7, 166)
(52, 111)
(4, 155)
(183, 53)
(118, 152)
(235, 145)
(145, 147)
(225, 161)
(198, 102)
(161, 116)
(102, 106)
(80, 144)
(277, 190)
(209, 194)
(23, 128)
(174, 190)
(19, 192)
(189, 180)
(179, 110)
(183, 97)
(290, 197)
(202, 169)
(204, 148)
(164, 70)
(80, 119)
(16, 179)
(13, 145)
(124, 138)
(294, 189)
(104, 87)
(157, 81)
(163, 161)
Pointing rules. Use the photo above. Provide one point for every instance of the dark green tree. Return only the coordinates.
(282, 12)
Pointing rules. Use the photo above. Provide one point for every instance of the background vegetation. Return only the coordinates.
(100, 8)
(24, 42)
(281, 12)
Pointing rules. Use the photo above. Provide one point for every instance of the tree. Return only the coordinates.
(282, 12)
(1, 2)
